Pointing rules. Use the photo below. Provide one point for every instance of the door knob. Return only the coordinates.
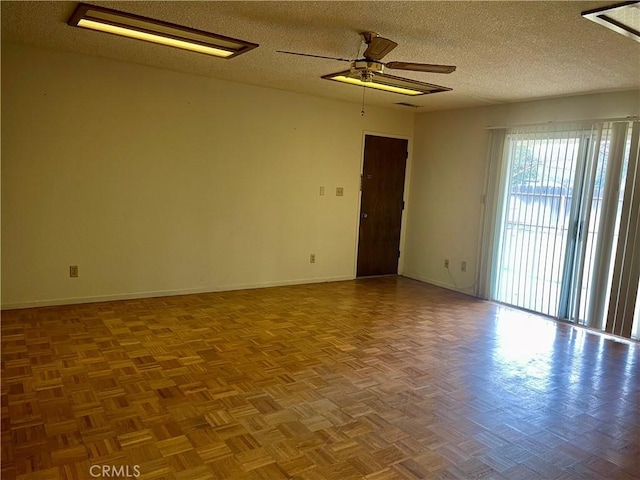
(364, 215)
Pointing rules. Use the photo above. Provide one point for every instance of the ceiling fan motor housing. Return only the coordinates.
(366, 69)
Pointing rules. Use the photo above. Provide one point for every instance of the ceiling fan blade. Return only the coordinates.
(379, 47)
(421, 67)
(315, 56)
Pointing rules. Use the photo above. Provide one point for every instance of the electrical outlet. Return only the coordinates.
(339, 191)
(446, 263)
(312, 258)
(463, 266)
(73, 271)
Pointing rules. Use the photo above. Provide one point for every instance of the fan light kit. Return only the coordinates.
(369, 70)
(156, 31)
(623, 18)
(388, 83)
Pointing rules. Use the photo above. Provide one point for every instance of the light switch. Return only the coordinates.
(321, 191)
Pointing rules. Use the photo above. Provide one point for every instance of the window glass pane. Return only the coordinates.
(536, 225)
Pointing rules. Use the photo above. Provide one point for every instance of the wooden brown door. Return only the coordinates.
(381, 205)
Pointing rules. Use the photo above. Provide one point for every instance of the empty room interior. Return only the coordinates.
(320, 240)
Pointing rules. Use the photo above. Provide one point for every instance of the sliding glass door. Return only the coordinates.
(563, 192)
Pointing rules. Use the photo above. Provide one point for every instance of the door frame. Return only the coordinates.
(405, 196)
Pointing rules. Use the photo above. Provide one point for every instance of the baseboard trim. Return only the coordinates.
(448, 286)
(167, 293)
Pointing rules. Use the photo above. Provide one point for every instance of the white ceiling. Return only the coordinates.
(504, 51)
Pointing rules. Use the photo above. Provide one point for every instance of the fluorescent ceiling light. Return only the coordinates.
(371, 84)
(623, 18)
(156, 31)
(388, 83)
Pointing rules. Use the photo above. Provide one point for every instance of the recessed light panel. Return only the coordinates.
(623, 18)
(156, 31)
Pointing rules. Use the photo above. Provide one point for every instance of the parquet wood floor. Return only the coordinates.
(375, 379)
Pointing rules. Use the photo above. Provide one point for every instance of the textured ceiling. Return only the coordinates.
(504, 51)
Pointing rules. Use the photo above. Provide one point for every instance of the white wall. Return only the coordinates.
(449, 158)
(156, 182)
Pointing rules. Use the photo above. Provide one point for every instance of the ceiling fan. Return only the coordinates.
(369, 71)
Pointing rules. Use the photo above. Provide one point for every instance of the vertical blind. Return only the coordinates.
(561, 222)
(623, 314)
